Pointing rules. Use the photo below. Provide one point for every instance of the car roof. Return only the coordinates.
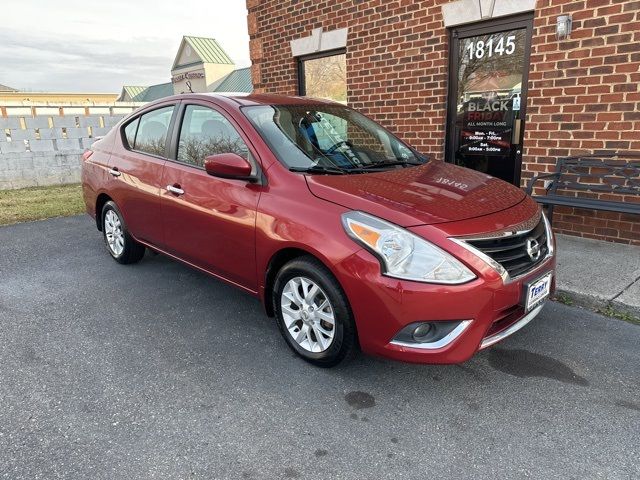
(240, 100)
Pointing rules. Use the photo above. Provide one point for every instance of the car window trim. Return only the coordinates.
(175, 137)
(124, 133)
(138, 116)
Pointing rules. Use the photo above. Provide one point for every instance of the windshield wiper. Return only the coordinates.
(356, 169)
(373, 166)
(319, 169)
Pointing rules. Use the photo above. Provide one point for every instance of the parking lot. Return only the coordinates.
(158, 371)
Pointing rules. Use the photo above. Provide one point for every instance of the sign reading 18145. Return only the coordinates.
(494, 46)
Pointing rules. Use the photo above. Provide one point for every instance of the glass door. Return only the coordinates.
(489, 66)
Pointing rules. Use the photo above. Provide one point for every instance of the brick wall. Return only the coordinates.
(583, 91)
(584, 97)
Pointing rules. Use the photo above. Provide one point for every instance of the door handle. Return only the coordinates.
(114, 171)
(175, 189)
(516, 131)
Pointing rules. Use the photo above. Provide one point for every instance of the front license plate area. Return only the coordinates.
(537, 291)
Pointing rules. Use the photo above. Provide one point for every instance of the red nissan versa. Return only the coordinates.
(348, 235)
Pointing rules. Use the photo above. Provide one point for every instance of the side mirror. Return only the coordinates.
(228, 165)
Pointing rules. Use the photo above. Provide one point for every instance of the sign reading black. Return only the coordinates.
(487, 125)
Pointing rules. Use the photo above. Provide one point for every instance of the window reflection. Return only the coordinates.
(151, 136)
(327, 135)
(326, 77)
(206, 132)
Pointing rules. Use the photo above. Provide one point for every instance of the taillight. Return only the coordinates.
(86, 155)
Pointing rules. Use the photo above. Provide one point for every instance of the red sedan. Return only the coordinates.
(349, 236)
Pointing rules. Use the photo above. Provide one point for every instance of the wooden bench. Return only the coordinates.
(584, 179)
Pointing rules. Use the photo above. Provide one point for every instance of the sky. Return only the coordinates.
(99, 46)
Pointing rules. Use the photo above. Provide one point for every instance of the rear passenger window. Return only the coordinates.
(130, 132)
(207, 132)
(152, 131)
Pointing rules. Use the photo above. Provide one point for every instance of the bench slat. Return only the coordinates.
(594, 204)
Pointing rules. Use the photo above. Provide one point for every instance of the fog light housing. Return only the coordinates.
(421, 332)
(430, 335)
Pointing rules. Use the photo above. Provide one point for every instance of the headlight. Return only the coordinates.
(403, 254)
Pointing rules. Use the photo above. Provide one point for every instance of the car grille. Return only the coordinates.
(511, 252)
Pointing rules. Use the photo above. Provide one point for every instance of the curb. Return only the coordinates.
(597, 304)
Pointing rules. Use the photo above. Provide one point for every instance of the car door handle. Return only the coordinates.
(175, 189)
(114, 172)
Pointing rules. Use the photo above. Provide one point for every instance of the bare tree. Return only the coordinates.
(326, 77)
(194, 150)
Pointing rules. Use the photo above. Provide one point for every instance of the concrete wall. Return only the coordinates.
(45, 149)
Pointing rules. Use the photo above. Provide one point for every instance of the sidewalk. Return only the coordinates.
(598, 275)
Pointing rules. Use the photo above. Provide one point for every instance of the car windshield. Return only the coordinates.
(329, 139)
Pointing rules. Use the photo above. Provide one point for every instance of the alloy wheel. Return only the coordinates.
(308, 314)
(113, 233)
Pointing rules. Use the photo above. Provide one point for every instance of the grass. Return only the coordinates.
(563, 298)
(610, 311)
(36, 203)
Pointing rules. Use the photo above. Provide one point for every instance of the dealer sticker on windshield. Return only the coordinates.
(538, 291)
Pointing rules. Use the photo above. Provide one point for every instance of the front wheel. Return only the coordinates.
(120, 244)
(313, 312)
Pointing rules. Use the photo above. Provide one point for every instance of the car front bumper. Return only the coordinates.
(488, 308)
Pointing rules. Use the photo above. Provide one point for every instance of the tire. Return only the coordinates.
(319, 342)
(120, 244)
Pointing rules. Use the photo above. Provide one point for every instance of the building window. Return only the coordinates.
(324, 76)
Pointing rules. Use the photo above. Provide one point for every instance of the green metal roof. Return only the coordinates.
(208, 49)
(134, 91)
(155, 92)
(147, 94)
(237, 81)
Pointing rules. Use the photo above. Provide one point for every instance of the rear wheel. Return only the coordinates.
(120, 244)
(313, 312)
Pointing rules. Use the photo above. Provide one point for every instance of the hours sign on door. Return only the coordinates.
(486, 125)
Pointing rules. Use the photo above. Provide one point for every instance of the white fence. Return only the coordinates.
(43, 145)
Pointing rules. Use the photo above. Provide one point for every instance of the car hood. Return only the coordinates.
(437, 192)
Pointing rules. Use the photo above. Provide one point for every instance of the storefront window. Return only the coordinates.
(324, 77)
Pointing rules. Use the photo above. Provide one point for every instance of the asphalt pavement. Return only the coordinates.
(157, 371)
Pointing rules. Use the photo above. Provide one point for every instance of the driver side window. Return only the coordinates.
(205, 132)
